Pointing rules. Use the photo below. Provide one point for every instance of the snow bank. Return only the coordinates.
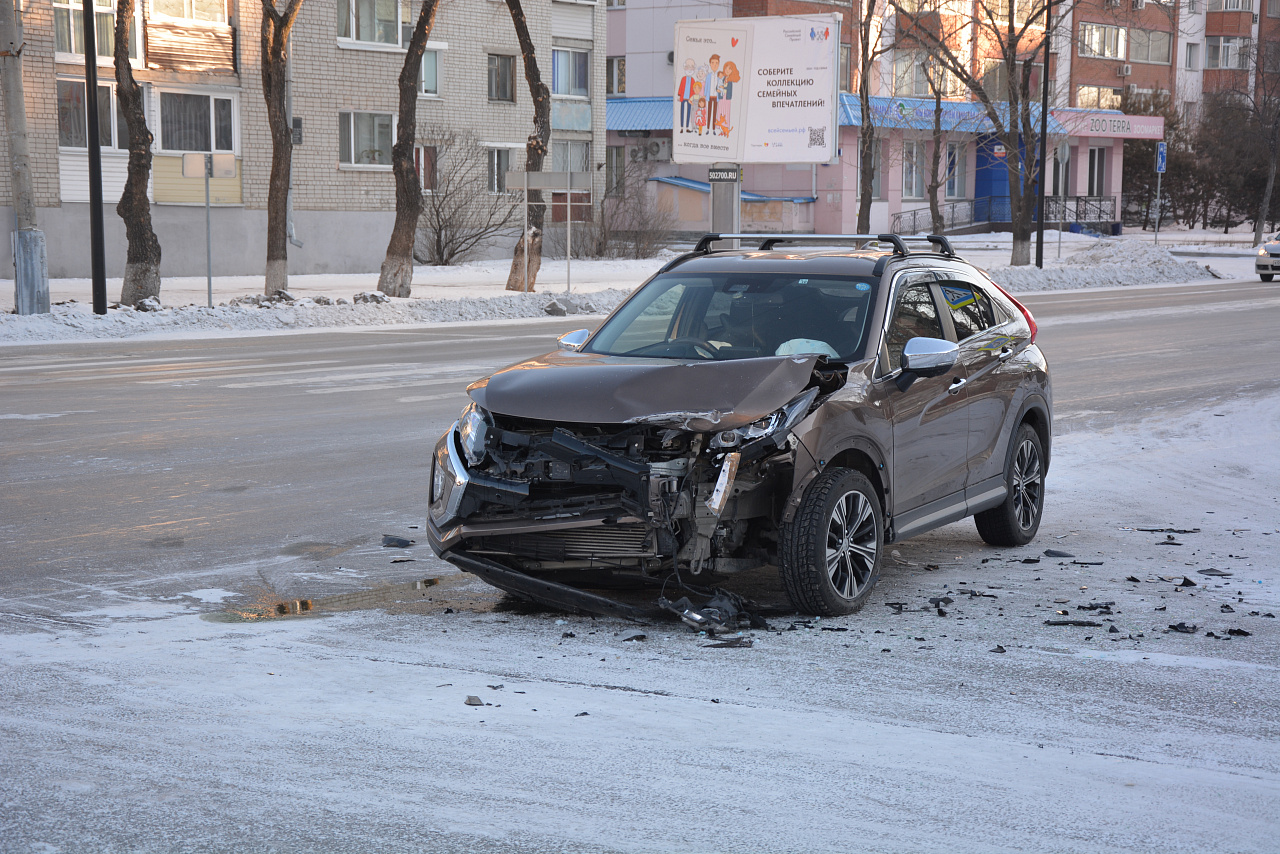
(1109, 263)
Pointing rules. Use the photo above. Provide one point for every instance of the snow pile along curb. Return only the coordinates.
(70, 321)
(1109, 263)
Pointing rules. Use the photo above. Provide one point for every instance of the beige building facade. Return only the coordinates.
(199, 62)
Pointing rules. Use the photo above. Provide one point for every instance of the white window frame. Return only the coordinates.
(497, 175)
(913, 169)
(364, 167)
(101, 7)
(956, 161)
(569, 95)
(436, 49)
(1114, 41)
(1232, 52)
(1192, 60)
(1230, 5)
(845, 64)
(1145, 37)
(188, 18)
(352, 43)
(569, 146)
(116, 118)
(1097, 174)
(615, 169)
(612, 65)
(158, 93)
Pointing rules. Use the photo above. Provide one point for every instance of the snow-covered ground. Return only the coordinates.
(476, 292)
(152, 724)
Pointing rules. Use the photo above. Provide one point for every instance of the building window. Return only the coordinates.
(957, 159)
(570, 156)
(430, 72)
(68, 28)
(376, 21)
(502, 77)
(1102, 41)
(615, 75)
(205, 11)
(615, 164)
(1023, 11)
(1193, 56)
(364, 139)
(73, 122)
(913, 170)
(1226, 52)
(1190, 113)
(1096, 185)
(424, 161)
(499, 166)
(1150, 46)
(909, 77)
(618, 3)
(1098, 97)
(196, 122)
(1193, 6)
(1271, 59)
(846, 54)
(1230, 5)
(1273, 8)
(569, 72)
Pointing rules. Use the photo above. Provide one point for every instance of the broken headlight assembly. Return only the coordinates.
(473, 432)
(775, 425)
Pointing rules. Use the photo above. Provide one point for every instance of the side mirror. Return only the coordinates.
(575, 339)
(929, 357)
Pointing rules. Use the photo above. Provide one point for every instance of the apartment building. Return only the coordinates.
(1105, 48)
(199, 62)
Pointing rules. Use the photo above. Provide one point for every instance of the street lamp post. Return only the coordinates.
(1044, 135)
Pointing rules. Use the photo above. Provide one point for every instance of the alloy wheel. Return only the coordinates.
(1028, 484)
(851, 544)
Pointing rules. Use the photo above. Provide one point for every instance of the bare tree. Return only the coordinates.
(871, 46)
(535, 154)
(276, 28)
(993, 51)
(1261, 101)
(142, 260)
(629, 222)
(459, 213)
(396, 278)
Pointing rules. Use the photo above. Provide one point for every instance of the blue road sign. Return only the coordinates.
(1162, 155)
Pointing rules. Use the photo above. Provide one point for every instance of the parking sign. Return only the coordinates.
(1162, 151)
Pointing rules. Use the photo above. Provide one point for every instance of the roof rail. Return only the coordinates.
(768, 241)
(944, 245)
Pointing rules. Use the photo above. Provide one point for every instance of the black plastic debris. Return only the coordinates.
(1169, 541)
(1183, 628)
(495, 687)
(1169, 530)
(931, 567)
(939, 601)
(390, 541)
(1135, 579)
(568, 635)
(1089, 624)
(640, 637)
(1030, 560)
(732, 643)
(1100, 607)
(473, 700)
(405, 560)
(1227, 609)
(581, 714)
(1161, 608)
(998, 648)
(1238, 633)
(896, 606)
(942, 612)
(1087, 563)
(1056, 553)
(834, 629)
(976, 594)
(723, 612)
(1186, 582)
(1113, 631)
(1216, 573)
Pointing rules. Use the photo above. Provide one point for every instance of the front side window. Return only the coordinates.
(73, 120)
(913, 169)
(569, 72)
(970, 309)
(502, 77)
(725, 316)
(375, 21)
(615, 80)
(915, 316)
(499, 166)
(191, 122)
(1102, 41)
(68, 28)
(365, 139)
(1150, 46)
(205, 11)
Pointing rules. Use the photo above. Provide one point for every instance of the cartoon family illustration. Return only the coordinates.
(705, 94)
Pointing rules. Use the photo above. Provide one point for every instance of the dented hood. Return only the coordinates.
(593, 389)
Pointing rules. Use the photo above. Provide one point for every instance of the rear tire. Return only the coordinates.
(1015, 520)
(1266, 277)
(831, 552)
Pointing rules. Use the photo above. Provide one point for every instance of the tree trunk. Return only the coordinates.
(1265, 209)
(396, 278)
(935, 171)
(276, 27)
(1019, 196)
(142, 261)
(535, 154)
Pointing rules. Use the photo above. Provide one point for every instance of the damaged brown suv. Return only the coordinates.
(799, 408)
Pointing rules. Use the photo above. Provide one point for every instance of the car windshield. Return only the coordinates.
(741, 316)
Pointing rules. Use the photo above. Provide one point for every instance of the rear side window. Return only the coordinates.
(915, 316)
(970, 307)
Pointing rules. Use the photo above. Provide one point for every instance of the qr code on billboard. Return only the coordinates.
(817, 137)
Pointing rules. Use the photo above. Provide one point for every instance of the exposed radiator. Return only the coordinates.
(597, 541)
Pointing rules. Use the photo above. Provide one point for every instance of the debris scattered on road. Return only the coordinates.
(896, 606)
(1090, 624)
(473, 700)
(939, 601)
(1186, 582)
(1183, 628)
(1113, 631)
(1135, 579)
(1169, 541)
(568, 635)
(1100, 607)
(581, 714)
(998, 648)
(1087, 563)
(635, 638)
(1216, 573)
(732, 643)
(1169, 530)
(405, 560)
(1238, 633)
(496, 687)
(1227, 609)
(1057, 553)
(391, 541)
(834, 629)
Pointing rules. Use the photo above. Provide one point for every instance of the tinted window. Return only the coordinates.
(970, 309)
(741, 316)
(915, 316)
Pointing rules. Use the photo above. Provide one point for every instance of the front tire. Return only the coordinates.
(1015, 520)
(831, 552)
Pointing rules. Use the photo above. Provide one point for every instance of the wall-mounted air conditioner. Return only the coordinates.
(1124, 70)
(655, 149)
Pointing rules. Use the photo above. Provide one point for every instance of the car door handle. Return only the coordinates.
(1006, 353)
(956, 385)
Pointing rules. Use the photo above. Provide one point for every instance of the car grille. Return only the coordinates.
(600, 542)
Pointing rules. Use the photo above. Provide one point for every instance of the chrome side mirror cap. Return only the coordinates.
(573, 340)
(929, 357)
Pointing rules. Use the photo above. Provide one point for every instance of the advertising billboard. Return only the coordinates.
(756, 90)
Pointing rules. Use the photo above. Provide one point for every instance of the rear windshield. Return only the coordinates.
(741, 316)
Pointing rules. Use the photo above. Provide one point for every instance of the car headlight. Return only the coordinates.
(473, 430)
(776, 424)
(1262, 250)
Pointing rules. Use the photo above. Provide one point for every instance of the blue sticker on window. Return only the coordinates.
(862, 286)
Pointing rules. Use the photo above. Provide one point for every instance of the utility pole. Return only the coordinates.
(1044, 134)
(97, 243)
(31, 279)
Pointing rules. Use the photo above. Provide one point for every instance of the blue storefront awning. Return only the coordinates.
(624, 114)
(705, 187)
